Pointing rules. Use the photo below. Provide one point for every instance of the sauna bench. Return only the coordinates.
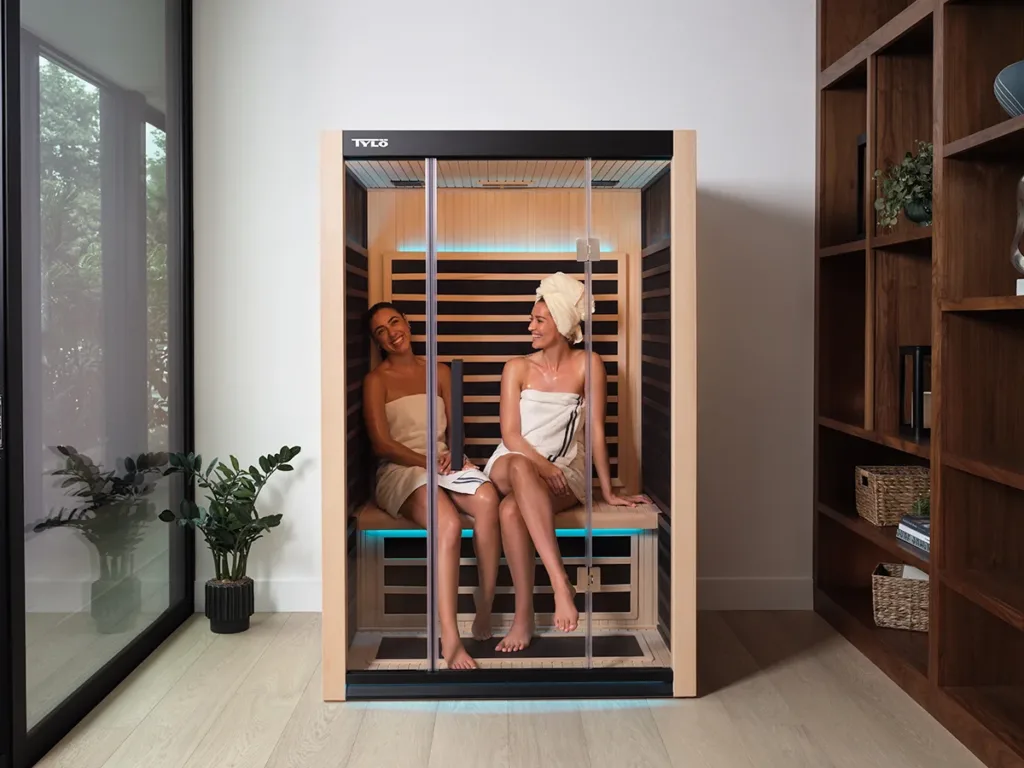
(643, 516)
(388, 562)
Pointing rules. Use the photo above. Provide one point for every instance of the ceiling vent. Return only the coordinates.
(406, 183)
(604, 183)
(504, 184)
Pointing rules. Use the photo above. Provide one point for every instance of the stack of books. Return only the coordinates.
(916, 531)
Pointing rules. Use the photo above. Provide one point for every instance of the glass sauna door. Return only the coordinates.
(512, 555)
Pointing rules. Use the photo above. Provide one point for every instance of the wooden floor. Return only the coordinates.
(778, 689)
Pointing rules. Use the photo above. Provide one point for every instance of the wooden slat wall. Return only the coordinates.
(484, 302)
(655, 389)
(524, 221)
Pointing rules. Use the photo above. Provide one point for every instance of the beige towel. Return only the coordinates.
(564, 298)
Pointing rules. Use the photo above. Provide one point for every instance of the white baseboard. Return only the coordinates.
(276, 595)
(745, 593)
(714, 593)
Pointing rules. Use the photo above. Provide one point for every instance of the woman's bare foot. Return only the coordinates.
(482, 625)
(455, 655)
(518, 637)
(566, 615)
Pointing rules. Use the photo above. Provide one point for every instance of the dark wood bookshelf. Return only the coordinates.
(896, 72)
(882, 537)
(984, 304)
(1004, 140)
(1002, 595)
(856, 246)
(917, 240)
(920, 448)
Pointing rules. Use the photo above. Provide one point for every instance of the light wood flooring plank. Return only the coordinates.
(394, 735)
(470, 733)
(245, 731)
(171, 732)
(765, 723)
(98, 736)
(699, 733)
(319, 734)
(546, 733)
(890, 726)
(622, 734)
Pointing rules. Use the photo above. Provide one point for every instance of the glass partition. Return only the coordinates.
(388, 401)
(510, 287)
(97, 335)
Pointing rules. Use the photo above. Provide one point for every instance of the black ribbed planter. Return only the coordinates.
(229, 604)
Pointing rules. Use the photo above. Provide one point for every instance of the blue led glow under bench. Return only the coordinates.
(390, 570)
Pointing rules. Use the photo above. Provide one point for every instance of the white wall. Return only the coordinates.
(270, 76)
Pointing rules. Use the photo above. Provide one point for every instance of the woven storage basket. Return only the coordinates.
(899, 603)
(885, 494)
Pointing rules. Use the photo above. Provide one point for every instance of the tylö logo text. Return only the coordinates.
(378, 143)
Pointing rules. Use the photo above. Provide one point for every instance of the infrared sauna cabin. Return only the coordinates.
(456, 230)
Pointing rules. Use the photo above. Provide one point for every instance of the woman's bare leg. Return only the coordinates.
(482, 506)
(515, 474)
(449, 541)
(521, 557)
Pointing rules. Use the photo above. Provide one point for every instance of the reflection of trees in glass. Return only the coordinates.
(156, 283)
(71, 254)
(72, 262)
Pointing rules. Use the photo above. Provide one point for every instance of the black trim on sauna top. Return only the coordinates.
(502, 145)
(609, 683)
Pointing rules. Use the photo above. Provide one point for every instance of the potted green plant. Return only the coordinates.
(906, 187)
(922, 507)
(113, 518)
(230, 524)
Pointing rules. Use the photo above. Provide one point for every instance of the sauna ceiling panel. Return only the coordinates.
(507, 174)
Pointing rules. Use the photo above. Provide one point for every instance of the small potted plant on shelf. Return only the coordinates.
(906, 187)
(113, 517)
(230, 524)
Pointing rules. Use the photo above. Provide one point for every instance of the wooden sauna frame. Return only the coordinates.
(343, 533)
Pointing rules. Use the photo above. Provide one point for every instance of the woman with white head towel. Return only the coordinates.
(540, 465)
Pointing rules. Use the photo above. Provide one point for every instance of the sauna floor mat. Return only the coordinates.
(605, 646)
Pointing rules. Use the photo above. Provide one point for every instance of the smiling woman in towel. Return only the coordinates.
(540, 464)
(395, 411)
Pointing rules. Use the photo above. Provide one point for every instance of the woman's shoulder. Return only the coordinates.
(514, 364)
(580, 356)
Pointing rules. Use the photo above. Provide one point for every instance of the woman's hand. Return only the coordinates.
(444, 462)
(553, 476)
(467, 464)
(624, 501)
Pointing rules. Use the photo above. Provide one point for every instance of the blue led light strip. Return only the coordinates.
(568, 533)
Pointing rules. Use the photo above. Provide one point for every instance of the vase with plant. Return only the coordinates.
(230, 525)
(906, 187)
(113, 516)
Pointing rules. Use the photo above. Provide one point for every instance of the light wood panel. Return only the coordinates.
(684, 412)
(333, 417)
(534, 220)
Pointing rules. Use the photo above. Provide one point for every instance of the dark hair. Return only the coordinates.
(368, 317)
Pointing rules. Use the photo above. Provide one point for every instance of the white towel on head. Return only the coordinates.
(564, 298)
